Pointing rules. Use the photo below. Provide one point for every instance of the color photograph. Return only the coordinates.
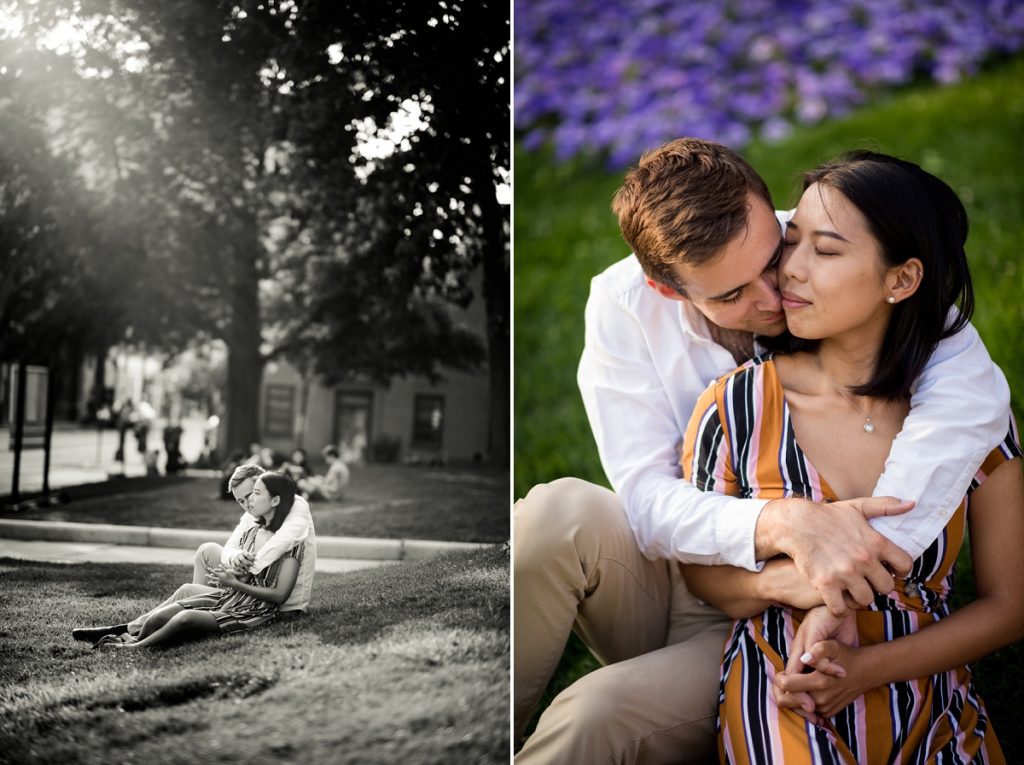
(768, 370)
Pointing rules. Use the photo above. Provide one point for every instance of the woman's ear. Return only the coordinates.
(275, 501)
(903, 280)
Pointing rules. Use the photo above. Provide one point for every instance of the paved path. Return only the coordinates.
(80, 455)
(99, 552)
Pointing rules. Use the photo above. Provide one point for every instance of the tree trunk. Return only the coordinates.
(245, 365)
(496, 300)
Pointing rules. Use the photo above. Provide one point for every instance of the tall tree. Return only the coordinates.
(428, 214)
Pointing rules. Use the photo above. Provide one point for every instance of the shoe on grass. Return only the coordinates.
(92, 634)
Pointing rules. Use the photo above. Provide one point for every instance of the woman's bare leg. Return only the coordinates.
(158, 618)
(182, 626)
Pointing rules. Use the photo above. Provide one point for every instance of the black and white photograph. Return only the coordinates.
(255, 364)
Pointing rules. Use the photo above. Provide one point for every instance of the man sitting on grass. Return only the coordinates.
(212, 558)
(330, 486)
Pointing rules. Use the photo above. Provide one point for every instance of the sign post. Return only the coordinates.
(32, 416)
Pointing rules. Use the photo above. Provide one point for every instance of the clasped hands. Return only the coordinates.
(828, 645)
(227, 576)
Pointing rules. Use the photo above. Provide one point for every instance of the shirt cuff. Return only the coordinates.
(734, 532)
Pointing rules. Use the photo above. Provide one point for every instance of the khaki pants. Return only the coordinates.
(576, 566)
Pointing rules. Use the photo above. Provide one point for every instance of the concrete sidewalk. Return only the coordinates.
(98, 552)
(103, 542)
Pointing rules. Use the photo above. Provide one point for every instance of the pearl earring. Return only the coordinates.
(890, 300)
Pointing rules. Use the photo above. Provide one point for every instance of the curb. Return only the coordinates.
(360, 548)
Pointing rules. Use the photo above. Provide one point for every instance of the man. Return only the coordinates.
(661, 324)
(328, 487)
(297, 527)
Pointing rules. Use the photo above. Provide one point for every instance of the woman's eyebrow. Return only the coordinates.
(821, 232)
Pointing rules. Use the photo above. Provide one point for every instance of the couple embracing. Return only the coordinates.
(775, 565)
(264, 572)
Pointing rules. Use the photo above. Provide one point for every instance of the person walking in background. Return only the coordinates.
(172, 445)
(143, 418)
(125, 417)
(330, 486)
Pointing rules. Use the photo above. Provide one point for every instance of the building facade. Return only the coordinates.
(411, 419)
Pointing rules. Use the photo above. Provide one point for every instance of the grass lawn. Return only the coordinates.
(395, 501)
(406, 664)
(969, 134)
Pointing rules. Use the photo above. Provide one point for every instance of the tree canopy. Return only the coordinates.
(217, 153)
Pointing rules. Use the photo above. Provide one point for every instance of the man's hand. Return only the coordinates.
(242, 560)
(833, 545)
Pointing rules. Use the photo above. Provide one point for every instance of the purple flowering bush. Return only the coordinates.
(622, 76)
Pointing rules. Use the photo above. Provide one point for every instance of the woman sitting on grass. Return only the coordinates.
(242, 602)
(873, 264)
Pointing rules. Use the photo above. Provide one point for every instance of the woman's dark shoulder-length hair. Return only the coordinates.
(279, 485)
(912, 214)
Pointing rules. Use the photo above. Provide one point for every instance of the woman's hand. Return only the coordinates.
(819, 624)
(222, 577)
(830, 693)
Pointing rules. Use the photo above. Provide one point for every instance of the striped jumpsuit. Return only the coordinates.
(740, 442)
(236, 611)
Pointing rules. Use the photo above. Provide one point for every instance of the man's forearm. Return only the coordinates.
(741, 593)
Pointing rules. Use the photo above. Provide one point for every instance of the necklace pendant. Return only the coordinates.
(868, 427)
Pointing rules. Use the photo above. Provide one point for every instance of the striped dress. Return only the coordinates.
(236, 611)
(740, 442)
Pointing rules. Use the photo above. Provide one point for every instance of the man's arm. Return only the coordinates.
(232, 548)
(959, 411)
(637, 430)
(295, 529)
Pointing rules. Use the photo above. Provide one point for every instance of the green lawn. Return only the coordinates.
(404, 664)
(970, 135)
(394, 501)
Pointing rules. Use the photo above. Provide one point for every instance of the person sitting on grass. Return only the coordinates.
(330, 486)
(297, 528)
(241, 602)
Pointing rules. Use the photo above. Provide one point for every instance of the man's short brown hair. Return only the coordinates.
(683, 203)
(243, 473)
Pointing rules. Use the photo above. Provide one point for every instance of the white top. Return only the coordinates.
(297, 527)
(646, 360)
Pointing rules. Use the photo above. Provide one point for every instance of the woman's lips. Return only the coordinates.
(791, 302)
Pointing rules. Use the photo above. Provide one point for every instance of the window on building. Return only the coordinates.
(279, 411)
(428, 420)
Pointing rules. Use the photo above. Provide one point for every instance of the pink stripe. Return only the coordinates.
(757, 423)
(812, 475)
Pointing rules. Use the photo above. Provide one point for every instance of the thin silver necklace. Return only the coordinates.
(869, 426)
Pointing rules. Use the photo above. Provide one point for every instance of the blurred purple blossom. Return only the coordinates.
(619, 77)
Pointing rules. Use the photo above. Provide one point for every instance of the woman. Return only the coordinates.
(873, 266)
